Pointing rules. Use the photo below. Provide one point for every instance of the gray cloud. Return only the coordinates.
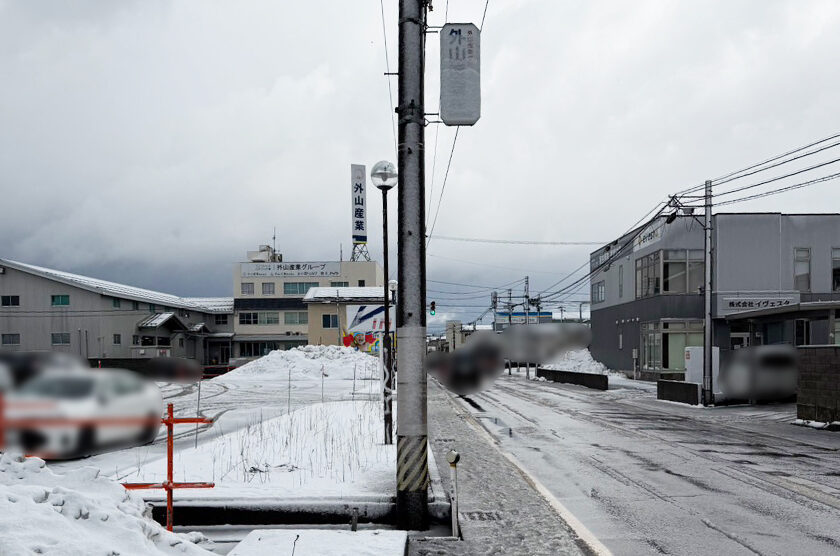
(155, 142)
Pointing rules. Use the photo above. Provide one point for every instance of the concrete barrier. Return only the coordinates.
(678, 391)
(589, 380)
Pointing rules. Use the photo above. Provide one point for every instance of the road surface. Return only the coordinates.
(652, 477)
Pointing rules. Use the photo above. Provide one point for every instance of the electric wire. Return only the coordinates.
(388, 77)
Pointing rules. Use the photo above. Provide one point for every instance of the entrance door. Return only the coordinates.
(224, 354)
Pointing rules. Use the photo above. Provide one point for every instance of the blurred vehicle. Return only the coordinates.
(761, 373)
(471, 368)
(82, 397)
(17, 367)
(173, 369)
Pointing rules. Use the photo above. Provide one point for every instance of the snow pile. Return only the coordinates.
(322, 542)
(577, 360)
(78, 513)
(321, 450)
(307, 362)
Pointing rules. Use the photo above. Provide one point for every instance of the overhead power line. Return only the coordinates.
(388, 77)
(781, 189)
(777, 178)
(515, 241)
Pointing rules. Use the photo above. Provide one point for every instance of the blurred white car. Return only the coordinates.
(83, 397)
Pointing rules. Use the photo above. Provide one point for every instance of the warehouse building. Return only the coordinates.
(775, 279)
(106, 322)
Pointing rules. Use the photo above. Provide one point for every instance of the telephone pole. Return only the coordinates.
(527, 301)
(412, 429)
(708, 392)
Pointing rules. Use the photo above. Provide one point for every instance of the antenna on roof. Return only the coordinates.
(274, 241)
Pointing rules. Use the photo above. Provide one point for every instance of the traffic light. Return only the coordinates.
(432, 308)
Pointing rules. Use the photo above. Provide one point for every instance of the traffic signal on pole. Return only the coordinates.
(432, 308)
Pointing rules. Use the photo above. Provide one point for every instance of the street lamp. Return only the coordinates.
(384, 177)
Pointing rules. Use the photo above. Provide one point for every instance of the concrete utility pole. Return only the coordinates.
(412, 429)
(708, 393)
(494, 302)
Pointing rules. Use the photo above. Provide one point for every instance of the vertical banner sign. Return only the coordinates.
(358, 203)
(460, 74)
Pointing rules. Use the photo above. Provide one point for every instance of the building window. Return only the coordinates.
(803, 332)
(247, 318)
(361, 283)
(117, 339)
(60, 300)
(10, 301)
(180, 342)
(10, 339)
(339, 284)
(221, 319)
(296, 317)
(268, 288)
(163, 341)
(135, 305)
(620, 281)
(648, 275)
(152, 308)
(115, 303)
(135, 340)
(835, 270)
(298, 288)
(329, 321)
(599, 292)
(246, 288)
(256, 349)
(802, 269)
(268, 317)
(620, 340)
(60, 338)
(148, 341)
(663, 343)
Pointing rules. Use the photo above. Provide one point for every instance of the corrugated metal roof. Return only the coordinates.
(325, 295)
(123, 291)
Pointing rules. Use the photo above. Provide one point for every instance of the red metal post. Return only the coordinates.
(169, 456)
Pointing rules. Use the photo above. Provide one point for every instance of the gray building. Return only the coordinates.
(45, 309)
(775, 279)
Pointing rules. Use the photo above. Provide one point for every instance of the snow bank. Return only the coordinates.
(577, 360)
(307, 362)
(322, 450)
(78, 513)
(322, 542)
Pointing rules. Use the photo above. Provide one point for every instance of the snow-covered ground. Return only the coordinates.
(577, 360)
(305, 363)
(329, 450)
(322, 542)
(79, 513)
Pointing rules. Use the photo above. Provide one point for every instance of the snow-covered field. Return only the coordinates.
(79, 513)
(333, 449)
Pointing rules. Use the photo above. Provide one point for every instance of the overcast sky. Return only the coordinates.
(153, 142)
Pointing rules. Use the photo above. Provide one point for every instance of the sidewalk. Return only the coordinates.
(500, 512)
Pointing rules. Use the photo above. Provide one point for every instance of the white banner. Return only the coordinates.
(460, 74)
(314, 269)
(358, 203)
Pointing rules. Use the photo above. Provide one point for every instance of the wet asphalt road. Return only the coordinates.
(651, 477)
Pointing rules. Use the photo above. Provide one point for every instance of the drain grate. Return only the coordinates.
(481, 516)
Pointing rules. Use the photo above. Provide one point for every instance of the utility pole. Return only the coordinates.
(494, 302)
(708, 393)
(412, 428)
(527, 301)
(510, 308)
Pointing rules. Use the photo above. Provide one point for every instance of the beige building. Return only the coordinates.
(269, 308)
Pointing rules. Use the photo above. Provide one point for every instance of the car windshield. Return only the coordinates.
(65, 387)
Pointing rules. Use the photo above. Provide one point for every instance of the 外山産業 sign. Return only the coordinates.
(358, 202)
(460, 74)
(314, 269)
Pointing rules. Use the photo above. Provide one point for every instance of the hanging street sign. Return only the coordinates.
(460, 74)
